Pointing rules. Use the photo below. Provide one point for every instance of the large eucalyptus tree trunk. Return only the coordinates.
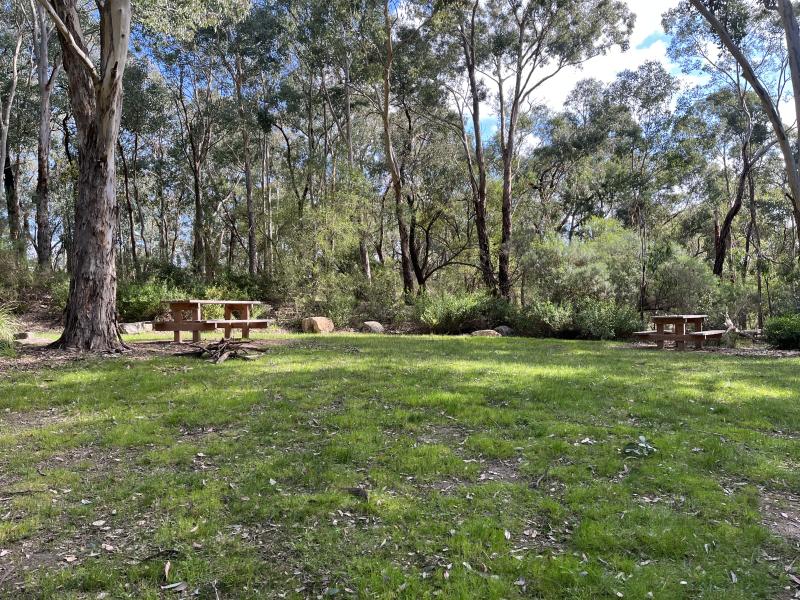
(95, 95)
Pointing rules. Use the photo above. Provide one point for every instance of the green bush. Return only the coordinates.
(543, 318)
(606, 320)
(144, 300)
(8, 327)
(453, 314)
(783, 332)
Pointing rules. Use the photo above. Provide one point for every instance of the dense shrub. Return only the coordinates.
(460, 313)
(681, 283)
(8, 327)
(605, 320)
(783, 332)
(144, 300)
(543, 318)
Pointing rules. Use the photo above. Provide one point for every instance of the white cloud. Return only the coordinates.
(605, 68)
(647, 32)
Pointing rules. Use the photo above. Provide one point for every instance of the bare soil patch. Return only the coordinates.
(36, 355)
(782, 515)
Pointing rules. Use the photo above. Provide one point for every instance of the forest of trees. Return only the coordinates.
(394, 159)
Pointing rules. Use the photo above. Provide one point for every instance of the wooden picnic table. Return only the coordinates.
(240, 309)
(674, 328)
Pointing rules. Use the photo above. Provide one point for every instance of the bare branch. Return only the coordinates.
(67, 35)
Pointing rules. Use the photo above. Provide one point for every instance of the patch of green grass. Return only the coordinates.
(494, 469)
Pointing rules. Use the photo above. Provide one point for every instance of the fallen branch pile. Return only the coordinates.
(219, 352)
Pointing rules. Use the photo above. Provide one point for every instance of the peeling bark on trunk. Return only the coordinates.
(90, 321)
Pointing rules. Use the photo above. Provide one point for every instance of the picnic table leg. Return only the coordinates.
(660, 329)
(197, 316)
(177, 317)
(227, 317)
(246, 317)
(698, 326)
(680, 329)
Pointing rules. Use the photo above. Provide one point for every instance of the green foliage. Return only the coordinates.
(542, 318)
(605, 320)
(680, 283)
(8, 327)
(451, 314)
(783, 332)
(144, 301)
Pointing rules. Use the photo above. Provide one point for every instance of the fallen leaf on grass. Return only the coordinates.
(181, 586)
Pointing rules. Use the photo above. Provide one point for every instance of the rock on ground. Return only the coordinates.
(504, 330)
(23, 335)
(138, 327)
(372, 327)
(317, 325)
(486, 333)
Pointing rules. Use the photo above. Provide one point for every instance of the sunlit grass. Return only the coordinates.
(494, 470)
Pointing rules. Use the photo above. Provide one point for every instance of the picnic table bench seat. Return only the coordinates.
(211, 324)
(679, 334)
(196, 323)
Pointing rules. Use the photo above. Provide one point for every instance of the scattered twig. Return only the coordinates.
(219, 352)
(165, 553)
(5, 494)
(542, 477)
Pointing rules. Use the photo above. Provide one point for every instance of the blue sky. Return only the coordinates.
(648, 42)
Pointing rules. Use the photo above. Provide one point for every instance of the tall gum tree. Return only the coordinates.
(16, 235)
(728, 20)
(531, 41)
(46, 77)
(95, 95)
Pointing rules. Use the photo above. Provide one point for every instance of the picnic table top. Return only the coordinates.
(678, 317)
(202, 302)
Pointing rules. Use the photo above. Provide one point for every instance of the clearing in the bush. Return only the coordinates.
(403, 467)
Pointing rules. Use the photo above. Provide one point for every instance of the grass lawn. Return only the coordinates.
(493, 468)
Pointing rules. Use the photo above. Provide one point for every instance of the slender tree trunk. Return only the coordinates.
(479, 185)
(391, 161)
(136, 200)
(42, 196)
(363, 242)
(723, 240)
(9, 179)
(129, 206)
(90, 321)
(252, 255)
(198, 226)
(15, 231)
(786, 145)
